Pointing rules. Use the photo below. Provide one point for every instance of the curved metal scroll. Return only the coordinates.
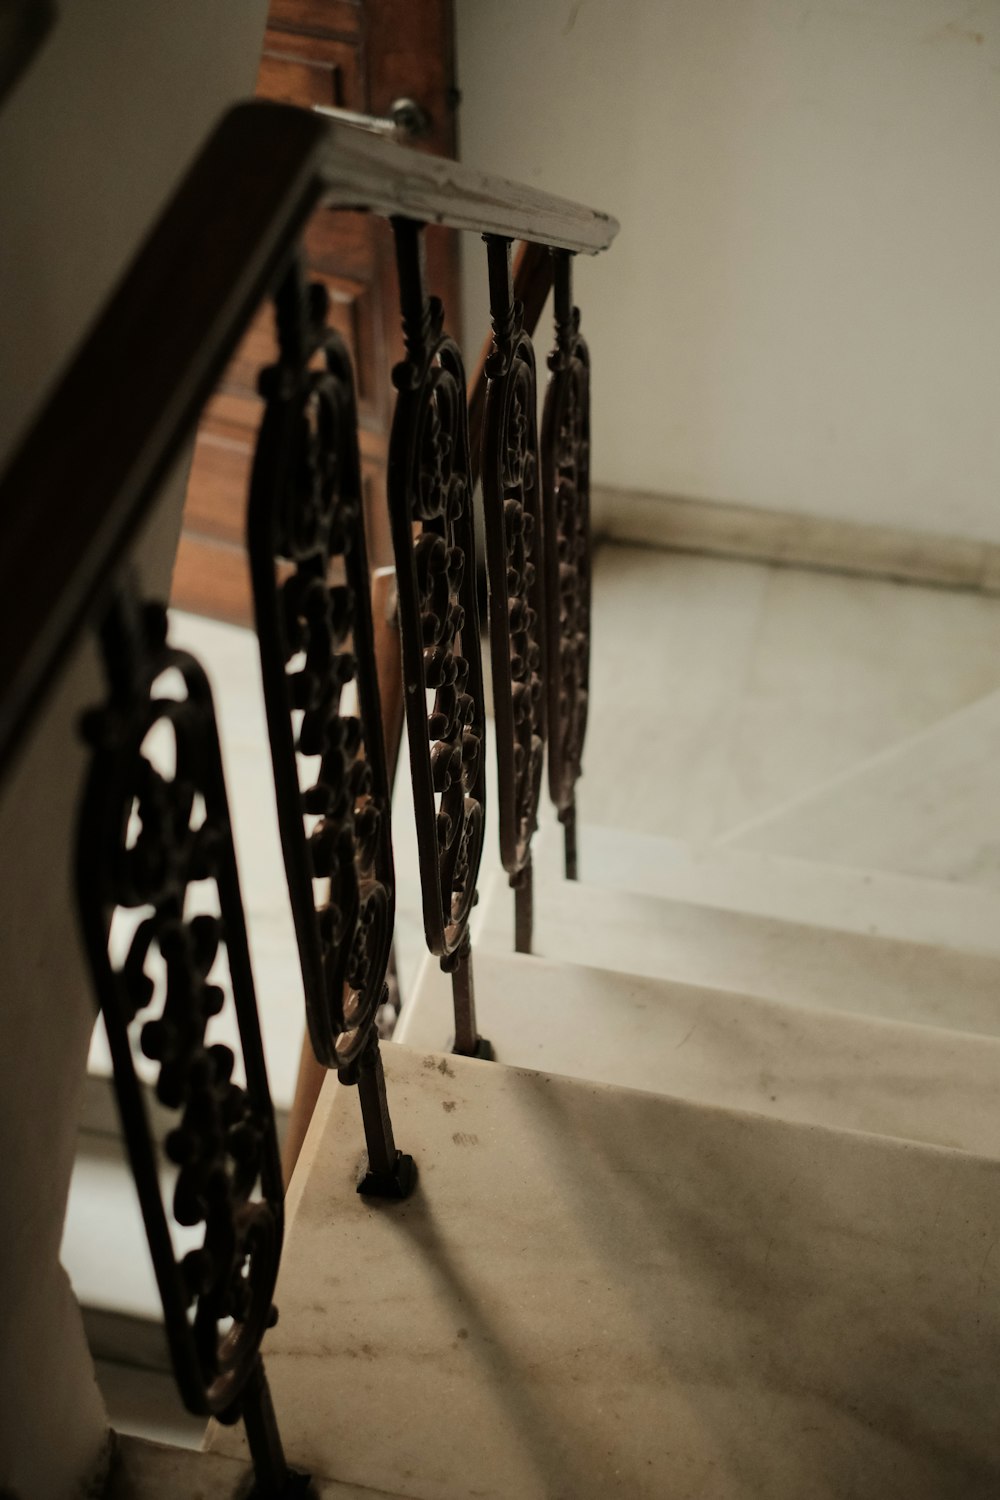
(154, 840)
(566, 484)
(430, 505)
(513, 513)
(312, 600)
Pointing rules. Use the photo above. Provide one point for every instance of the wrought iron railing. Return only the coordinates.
(512, 508)
(159, 893)
(434, 541)
(148, 835)
(566, 486)
(312, 607)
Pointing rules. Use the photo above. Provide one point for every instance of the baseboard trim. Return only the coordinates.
(742, 531)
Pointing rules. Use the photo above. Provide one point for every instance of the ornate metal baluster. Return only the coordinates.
(512, 508)
(566, 484)
(152, 844)
(312, 598)
(430, 505)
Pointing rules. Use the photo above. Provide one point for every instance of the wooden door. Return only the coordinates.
(359, 55)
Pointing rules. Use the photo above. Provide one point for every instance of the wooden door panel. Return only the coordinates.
(224, 469)
(310, 70)
(215, 578)
(342, 243)
(360, 55)
(222, 466)
(318, 17)
(294, 80)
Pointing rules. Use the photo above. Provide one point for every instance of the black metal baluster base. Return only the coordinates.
(273, 1479)
(567, 818)
(524, 907)
(391, 1173)
(468, 1042)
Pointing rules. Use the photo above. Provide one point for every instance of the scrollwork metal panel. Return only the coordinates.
(312, 600)
(513, 517)
(430, 504)
(163, 926)
(566, 484)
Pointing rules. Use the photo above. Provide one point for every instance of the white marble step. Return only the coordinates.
(767, 884)
(817, 1067)
(927, 807)
(163, 1471)
(798, 963)
(595, 1291)
(104, 1249)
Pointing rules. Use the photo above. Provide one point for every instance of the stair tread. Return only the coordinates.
(161, 1471)
(599, 1291)
(814, 1066)
(803, 964)
(790, 886)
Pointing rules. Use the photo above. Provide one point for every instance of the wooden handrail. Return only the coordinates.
(363, 171)
(74, 497)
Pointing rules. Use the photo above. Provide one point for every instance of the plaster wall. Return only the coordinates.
(92, 140)
(802, 311)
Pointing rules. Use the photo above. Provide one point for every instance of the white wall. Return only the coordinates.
(803, 308)
(93, 138)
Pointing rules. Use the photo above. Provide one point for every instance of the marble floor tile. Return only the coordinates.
(595, 1291)
(720, 690)
(672, 646)
(842, 668)
(929, 807)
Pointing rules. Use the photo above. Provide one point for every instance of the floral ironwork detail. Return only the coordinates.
(164, 931)
(566, 486)
(312, 599)
(513, 515)
(430, 504)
